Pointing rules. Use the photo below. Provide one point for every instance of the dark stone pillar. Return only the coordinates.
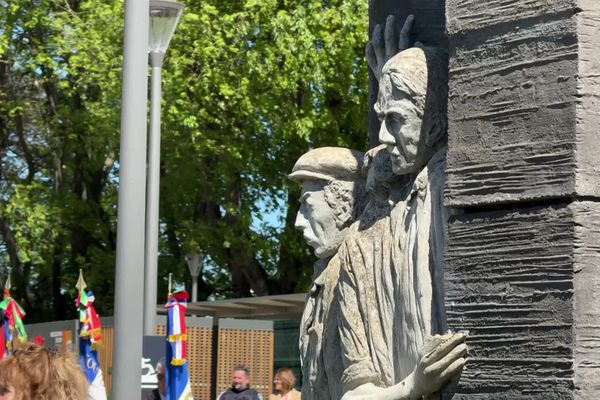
(523, 261)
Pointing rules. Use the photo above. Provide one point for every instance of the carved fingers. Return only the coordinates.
(389, 37)
(375, 52)
(444, 358)
(385, 43)
(404, 40)
(449, 364)
(442, 345)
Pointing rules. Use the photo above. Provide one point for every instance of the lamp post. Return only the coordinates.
(127, 351)
(194, 262)
(164, 16)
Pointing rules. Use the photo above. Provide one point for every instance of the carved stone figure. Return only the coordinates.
(391, 288)
(332, 189)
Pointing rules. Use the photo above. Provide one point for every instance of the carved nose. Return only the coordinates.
(384, 136)
(300, 222)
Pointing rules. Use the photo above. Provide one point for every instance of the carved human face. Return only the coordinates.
(316, 219)
(401, 120)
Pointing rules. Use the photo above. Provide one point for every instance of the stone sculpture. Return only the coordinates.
(332, 189)
(391, 279)
(375, 317)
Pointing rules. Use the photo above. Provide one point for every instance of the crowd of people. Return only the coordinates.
(34, 372)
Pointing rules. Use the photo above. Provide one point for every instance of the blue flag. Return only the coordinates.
(88, 360)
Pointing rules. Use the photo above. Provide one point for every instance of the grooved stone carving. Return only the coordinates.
(525, 284)
(522, 273)
(522, 101)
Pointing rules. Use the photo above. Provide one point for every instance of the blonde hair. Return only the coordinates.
(287, 378)
(35, 373)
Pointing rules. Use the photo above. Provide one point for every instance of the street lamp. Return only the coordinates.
(194, 262)
(164, 16)
(127, 350)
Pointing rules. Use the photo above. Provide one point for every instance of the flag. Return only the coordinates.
(3, 334)
(89, 339)
(12, 321)
(177, 381)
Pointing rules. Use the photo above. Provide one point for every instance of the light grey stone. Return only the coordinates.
(429, 29)
(391, 260)
(332, 195)
(376, 303)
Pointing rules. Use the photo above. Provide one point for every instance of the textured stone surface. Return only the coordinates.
(588, 107)
(525, 284)
(522, 102)
(586, 283)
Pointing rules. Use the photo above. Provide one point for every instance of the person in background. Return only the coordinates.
(285, 383)
(240, 386)
(35, 373)
(159, 392)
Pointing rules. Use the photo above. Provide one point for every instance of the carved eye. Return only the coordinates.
(393, 122)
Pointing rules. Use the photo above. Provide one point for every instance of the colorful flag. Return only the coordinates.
(89, 339)
(177, 382)
(12, 320)
(3, 335)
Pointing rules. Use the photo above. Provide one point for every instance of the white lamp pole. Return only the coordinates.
(194, 262)
(164, 16)
(127, 350)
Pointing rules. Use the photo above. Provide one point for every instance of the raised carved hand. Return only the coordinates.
(441, 359)
(384, 44)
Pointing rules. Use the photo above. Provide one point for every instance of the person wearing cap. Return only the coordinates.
(331, 199)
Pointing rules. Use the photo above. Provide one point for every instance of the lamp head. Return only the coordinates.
(164, 17)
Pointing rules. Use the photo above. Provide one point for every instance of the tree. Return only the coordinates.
(248, 87)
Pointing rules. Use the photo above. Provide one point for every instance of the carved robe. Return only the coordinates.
(391, 281)
(319, 335)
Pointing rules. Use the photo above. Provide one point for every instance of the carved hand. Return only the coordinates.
(441, 358)
(384, 44)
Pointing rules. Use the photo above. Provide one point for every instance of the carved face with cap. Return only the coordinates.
(332, 188)
(412, 105)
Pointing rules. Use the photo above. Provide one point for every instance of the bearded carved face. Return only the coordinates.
(401, 119)
(411, 106)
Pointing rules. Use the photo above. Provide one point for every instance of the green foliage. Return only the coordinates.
(248, 86)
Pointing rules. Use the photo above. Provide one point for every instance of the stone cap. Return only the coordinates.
(328, 164)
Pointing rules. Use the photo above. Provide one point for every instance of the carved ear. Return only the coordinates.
(343, 216)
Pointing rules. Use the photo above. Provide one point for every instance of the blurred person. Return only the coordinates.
(285, 385)
(240, 386)
(160, 392)
(36, 373)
